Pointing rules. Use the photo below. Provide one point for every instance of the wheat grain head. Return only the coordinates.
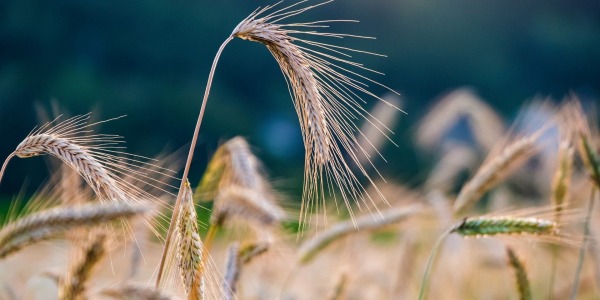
(327, 95)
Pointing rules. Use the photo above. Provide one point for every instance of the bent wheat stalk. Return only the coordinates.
(326, 98)
(46, 224)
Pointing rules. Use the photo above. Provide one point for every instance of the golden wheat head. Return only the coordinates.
(327, 90)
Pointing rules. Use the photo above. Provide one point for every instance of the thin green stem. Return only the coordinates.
(586, 234)
(188, 163)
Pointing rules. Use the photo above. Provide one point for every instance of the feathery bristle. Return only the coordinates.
(327, 98)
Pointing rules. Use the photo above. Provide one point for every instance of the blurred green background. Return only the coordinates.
(150, 60)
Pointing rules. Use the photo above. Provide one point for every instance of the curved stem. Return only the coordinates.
(5, 164)
(429, 266)
(188, 163)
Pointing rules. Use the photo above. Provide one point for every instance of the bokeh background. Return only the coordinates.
(150, 59)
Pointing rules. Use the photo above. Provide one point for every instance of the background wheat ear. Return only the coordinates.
(73, 284)
(49, 223)
(327, 90)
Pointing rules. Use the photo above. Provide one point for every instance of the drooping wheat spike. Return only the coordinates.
(137, 292)
(240, 190)
(236, 202)
(47, 224)
(98, 158)
(232, 272)
(309, 249)
(327, 91)
(189, 247)
(462, 104)
(495, 168)
(520, 275)
(233, 164)
(505, 225)
(73, 284)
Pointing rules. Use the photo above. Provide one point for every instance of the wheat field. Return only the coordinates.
(508, 213)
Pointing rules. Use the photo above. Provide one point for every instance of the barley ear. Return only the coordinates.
(521, 280)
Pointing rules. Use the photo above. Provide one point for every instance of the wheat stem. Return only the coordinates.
(5, 164)
(188, 163)
(586, 234)
(429, 265)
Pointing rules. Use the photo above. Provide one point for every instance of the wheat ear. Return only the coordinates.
(486, 226)
(97, 158)
(46, 224)
(309, 249)
(495, 169)
(134, 292)
(190, 253)
(333, 84)
(72, 287)
(520, 275)
(327, 97)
